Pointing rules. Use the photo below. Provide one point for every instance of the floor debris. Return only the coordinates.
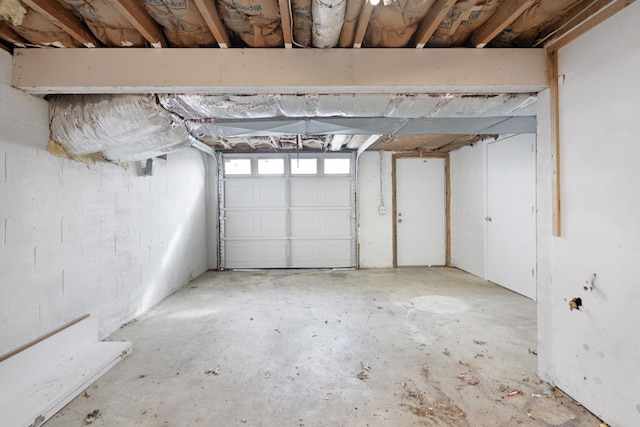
(514, 393)
(468, 378)
(214, 372)
(92, 416)
(364, 374)
(479, 342)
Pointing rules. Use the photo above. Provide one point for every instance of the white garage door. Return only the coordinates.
(287, 211)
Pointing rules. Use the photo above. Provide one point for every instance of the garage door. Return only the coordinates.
(287, 211)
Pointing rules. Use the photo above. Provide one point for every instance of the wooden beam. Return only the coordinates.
(6, 47)
(504, 16)
(219, 71)
(573, 17)
(447, 177)
(394, 213)
(9, 35)
(209, 12)
(65, 19)
(432, 20)
(285, 17)
(363, 23)
(138, 16)
(572, 32)
(556, 212)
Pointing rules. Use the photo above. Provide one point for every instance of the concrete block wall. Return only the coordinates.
(81, 238)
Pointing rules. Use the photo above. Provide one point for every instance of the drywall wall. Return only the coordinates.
(468, 208)
(594, 354)
(88, 238)
(375, 231)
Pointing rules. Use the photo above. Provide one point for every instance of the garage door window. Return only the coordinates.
(304, 166)
(274, 166)
(237, 167)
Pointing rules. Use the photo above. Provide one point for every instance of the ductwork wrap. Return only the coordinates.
(328, 18)
(121, 127)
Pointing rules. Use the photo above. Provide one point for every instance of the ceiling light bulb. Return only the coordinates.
(374, 2)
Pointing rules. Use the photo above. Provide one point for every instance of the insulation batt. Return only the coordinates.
(107, 24)
(328, 18)
(394, 24)
(183, 25)
(122, 127)
(257, 22)
(40, 31)
(302, 22)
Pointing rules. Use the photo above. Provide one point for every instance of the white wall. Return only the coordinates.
(77, 238)
(595, 353)
(375, 235)
(468, 208)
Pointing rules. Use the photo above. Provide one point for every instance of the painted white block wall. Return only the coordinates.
(375, 234)
(77, 238)
(596, 352)
(468, 208)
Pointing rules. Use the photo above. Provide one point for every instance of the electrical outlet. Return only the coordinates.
(382, 210)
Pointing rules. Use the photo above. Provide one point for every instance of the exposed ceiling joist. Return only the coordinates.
(432, 20)
(226, 71)
(8, 35)
(65, 19)
(363, 23)
(581, 20)
(210, 14)
(138, 16)
(6, 47)
(504, 16)
(285, 17)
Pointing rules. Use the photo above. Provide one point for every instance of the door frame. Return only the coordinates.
(447, 205)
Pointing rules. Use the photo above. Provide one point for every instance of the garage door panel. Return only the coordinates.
(255, 253)
(289, 220)
(317, 192)
(248, 193)
(321, 223)
(270, 223)
(321, 253)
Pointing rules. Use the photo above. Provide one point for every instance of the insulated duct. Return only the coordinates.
(328, 17)
(121, 127)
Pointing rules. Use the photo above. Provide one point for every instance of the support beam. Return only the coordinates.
(224, 71)
(363, 23)
(556, 212)
(432, 20)
(138, 16)
(8, 35)
(582, 24)
(499, 21)
(285, 17)
(208, 11)
(65, 19)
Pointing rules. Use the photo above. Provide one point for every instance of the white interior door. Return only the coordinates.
(511, 229)
(420, 211)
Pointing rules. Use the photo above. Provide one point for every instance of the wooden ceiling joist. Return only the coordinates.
(499, 21)
(208, 11)
(363, 23)
(580, 20)
(65, 19)
(138, 16)
(10, 37)
(285, 17)
(432, 20)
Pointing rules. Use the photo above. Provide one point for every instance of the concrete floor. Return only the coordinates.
(403, 347)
